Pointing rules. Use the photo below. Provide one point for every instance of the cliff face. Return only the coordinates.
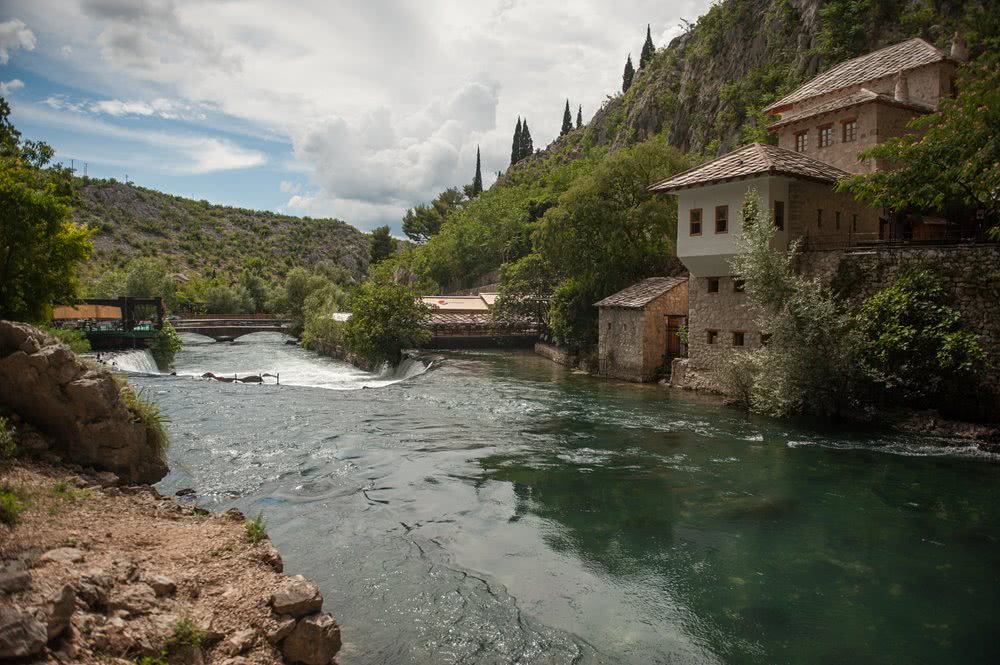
(705, 88)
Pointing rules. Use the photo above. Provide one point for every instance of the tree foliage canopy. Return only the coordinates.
(386, 318)
(423, 222)
(40, 247)
(382, 244)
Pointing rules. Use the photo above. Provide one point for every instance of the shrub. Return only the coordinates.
(386, 318)
(737, 373)
(74, 339)
(11, 505)
(8, 446)
(256, 529)
(165, 345)
(146, 412)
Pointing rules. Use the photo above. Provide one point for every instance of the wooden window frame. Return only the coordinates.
(725, 219)
(779, 204)
(804, 136)
(743, 338)
(692, 222)
(819, 136)
(711, 337)
(843, 130)
(709, 282)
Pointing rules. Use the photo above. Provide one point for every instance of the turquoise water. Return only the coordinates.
(501, 509)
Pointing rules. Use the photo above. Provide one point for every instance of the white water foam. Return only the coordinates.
(139, 361)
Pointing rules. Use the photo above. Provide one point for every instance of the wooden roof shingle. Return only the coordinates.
(749, 161)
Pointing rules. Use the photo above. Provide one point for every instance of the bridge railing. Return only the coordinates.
(221, 317)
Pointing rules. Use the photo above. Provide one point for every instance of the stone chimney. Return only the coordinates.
(902, 93)
(958, 49)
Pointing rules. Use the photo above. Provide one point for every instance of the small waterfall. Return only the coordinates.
(407, 369)
(139, 361)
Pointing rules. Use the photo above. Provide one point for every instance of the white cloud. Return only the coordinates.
(14, 34)
(161, 107)
(10, 86)
(288, 187)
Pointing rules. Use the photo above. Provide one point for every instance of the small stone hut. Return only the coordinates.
(639, 328)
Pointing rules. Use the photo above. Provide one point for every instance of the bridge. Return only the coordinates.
(231, 328)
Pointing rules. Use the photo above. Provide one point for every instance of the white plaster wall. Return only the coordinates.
(708, 255)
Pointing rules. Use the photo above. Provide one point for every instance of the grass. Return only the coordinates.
(256, 529)
(74, 339)
(12, 503)
(186, 634)
(146, 412)
(67, 492)
(8, 446)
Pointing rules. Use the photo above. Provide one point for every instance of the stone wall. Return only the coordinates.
(806, 199)
(969, 273)
(79, 407)
(724, 312)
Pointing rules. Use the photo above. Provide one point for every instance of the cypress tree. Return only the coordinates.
(477, 180)
(628, 75)
(527, 147)
(647, 50)
(579, 116)
(515, 149)
(567, 125)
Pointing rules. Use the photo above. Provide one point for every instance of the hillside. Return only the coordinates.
(703, 91)
(196, 236)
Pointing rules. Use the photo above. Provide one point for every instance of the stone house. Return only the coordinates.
(822, 127)
(640, 328)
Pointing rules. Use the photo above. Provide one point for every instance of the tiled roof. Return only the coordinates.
(456, 303)
(862, 96)
(752, 160)
(906, 55)
(642, 293)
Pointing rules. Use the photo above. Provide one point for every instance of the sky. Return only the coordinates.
(350, 109)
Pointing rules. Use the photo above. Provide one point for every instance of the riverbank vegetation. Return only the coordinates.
(831, 357)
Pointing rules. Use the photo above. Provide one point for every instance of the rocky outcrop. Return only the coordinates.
(78, 407)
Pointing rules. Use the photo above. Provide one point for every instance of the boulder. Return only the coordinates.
(297, 597)
(314, 641)
(162, 585)
(21, 635)
(64, 555)
(79, 408)
(239, 643)
(267, 553)
(134, 600)
(93, 588)
(14, 577)
(61, 606)
(284, 628)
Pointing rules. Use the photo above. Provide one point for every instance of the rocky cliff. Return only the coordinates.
(80, 412)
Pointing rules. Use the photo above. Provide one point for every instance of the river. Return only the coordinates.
(497, 508)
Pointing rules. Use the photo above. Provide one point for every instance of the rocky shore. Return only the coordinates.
(94, 572)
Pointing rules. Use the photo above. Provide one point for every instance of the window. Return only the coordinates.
(713, 284)
(738, 285)
(850, 128)
(696, 221)
(801, 141)
(826, 136)
(819, 218)
(836, 219)
(854, 223)
(721, 219)
(739, 338)
(779, 215)
(712, 336)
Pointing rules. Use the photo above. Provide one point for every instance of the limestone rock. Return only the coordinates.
(162, 585)
(267, 553)
(314, 641)
(21, 634)
(135, 600)
(62, 604)
(14, 577)
(285, 626)
(297, 597)
(79, 408)
(106, 479)
(94, 587)
(64, 555)
(239, 643)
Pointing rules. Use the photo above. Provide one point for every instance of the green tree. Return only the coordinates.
(951, 161)
(579, 116)
(299, 285)
(252, 281)
(515, 148)
(527, 146)
(385, 319)
(222, 299)
(567, 123)
(165, 345)
(322, 333)
(810, 364)
(629, 74)
(382, 244)
(40, 246)
(525, 288)
(607, 232)
(423, 222)
(648, 50)
(477, 180)
(914, 345)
